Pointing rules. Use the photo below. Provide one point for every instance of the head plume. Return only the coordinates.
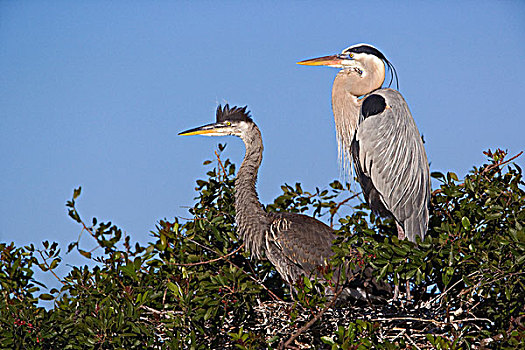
(233, 113)
(369, 49)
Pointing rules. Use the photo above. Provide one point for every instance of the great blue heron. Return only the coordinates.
(378, 132)
(295, 244)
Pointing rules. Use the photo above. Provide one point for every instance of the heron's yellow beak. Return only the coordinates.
(197, 132)
(329, 61)
(214, 129)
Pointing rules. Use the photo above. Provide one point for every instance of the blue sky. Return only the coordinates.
(94, 93)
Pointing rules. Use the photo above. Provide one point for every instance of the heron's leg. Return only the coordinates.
(409, 296)
(293, 292)
(396, 292)
(400, 232)
(400, 236)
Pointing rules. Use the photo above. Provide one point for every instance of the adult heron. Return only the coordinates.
(295, 244)
(376, 130)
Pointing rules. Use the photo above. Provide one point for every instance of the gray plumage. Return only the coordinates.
(379, 134)
(295, 244)
(392, 166)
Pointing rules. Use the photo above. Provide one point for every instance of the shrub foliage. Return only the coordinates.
(195, 286)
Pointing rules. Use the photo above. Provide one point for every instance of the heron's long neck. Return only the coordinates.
(250, 217)
(346, 108)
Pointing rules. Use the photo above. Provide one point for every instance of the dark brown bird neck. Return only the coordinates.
(251, 219)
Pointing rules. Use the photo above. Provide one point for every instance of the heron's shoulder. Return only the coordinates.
(390, 95)
(383, 103)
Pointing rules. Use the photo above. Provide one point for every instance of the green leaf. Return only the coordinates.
(208, 314)
(307, 282)
(466, 223)
(54, 263)
(384, 271)
(85, 254)
(76, 192)
(493, 216)
(173, 287)
(419, 276)
(328, 340)
(46, 296)
(74, 215)
(399, 250)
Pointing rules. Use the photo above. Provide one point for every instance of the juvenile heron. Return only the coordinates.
(295, 244)
(379, 134)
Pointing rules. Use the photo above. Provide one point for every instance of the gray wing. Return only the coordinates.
(297, 244)
(391, 161)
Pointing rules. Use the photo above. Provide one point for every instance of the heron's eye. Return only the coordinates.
(228, 123)
(351, 55)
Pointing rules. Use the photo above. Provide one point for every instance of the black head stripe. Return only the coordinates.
(372, 105)
(233, 114)
(367, 49)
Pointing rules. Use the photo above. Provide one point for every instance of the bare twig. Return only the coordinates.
(409, 319)
(449, 288)
(439, 190)
(411, 341)
(49, 268)
(489, 167)
(158, 312)
(220, 164)
(272, 294)
(201, 245)
(400, 334)
(338, 206)
(484, 283)
(472, 319)
(275, 297)
(88, 229)
(502, 162)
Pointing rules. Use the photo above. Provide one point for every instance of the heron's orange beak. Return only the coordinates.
(213, 129)
(208, 130)
(329, 61)
(197, 132)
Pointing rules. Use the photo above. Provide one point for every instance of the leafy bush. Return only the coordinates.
(195, 286)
